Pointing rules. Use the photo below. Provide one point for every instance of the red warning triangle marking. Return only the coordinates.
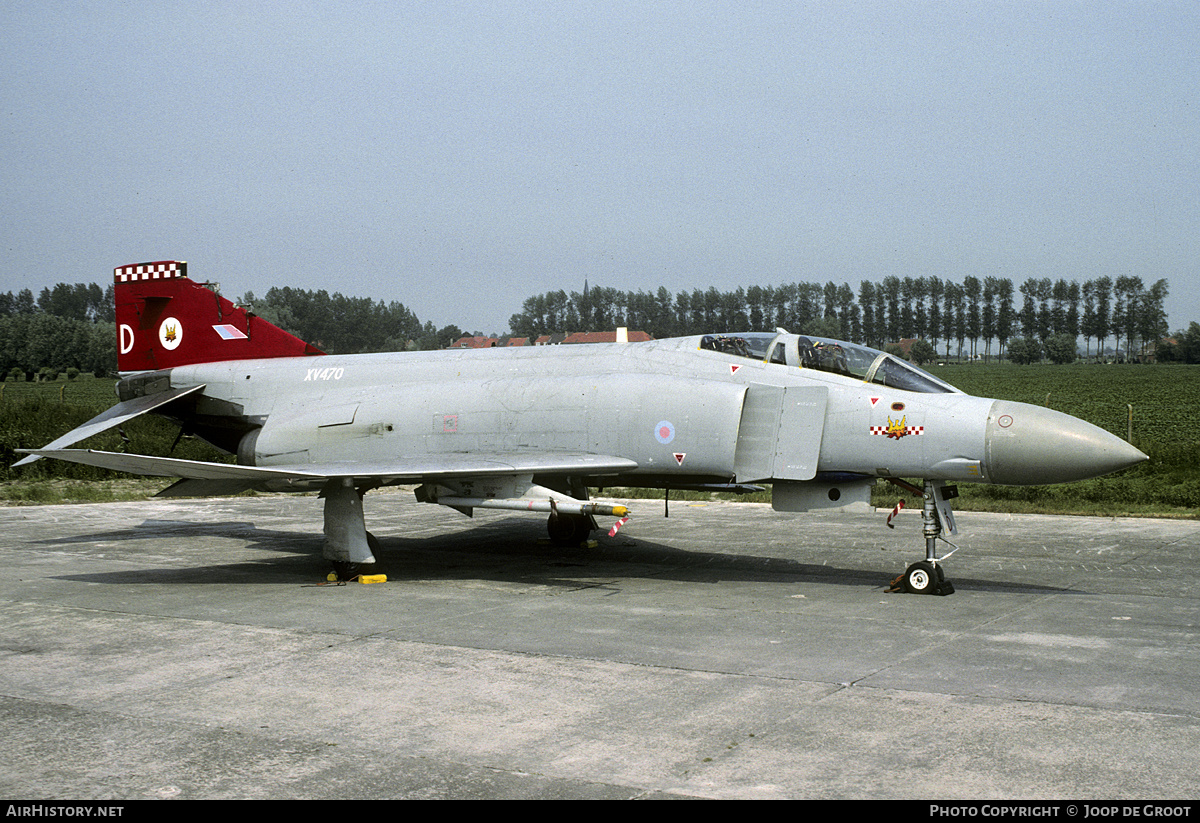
(679, 457)
(733, 369)
(874, 400)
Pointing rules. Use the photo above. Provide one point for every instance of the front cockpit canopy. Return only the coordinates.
(826, 355)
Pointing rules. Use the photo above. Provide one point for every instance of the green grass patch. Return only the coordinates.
(85, 390)
(42, 492)
(1154, 403)
(1161, 399)
(32, 415)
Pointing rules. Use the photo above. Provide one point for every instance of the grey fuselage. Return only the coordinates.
(684, 414)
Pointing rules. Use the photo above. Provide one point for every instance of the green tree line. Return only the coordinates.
(976, 317)
(81, 301)
(337, 324)
(1184, 348)
(71, 326)
(66, 327)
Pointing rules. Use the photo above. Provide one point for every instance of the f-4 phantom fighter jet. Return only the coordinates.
(531, 429)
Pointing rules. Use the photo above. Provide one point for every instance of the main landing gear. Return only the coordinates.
(349, 547)
(927, 576)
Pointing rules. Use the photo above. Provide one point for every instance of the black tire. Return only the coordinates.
(921, 578)
(568, 530)
(346, 571)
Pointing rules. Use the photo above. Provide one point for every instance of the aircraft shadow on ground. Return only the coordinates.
(502, 550)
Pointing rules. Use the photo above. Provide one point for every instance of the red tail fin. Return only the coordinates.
(165, 320)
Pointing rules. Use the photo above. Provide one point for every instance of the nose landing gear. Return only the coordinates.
(927, 576)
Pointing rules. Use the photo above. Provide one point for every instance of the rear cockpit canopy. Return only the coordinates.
(826, 355)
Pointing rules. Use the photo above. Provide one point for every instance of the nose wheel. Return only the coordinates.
(926, 578)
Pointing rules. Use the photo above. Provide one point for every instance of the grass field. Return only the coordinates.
(93, 392)
(1162, 397)
(1161, 400)
(33, 414)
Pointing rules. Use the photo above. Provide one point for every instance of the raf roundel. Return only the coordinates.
(664, 432)
(170, 333)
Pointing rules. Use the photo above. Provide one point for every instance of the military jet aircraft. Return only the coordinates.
(531, 429)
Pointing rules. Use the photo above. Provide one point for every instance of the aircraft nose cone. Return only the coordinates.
(1030, 446)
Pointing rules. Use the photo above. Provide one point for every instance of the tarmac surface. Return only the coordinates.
(186, 649)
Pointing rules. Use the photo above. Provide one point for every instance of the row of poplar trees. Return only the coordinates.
(975, 317)
(71, 326)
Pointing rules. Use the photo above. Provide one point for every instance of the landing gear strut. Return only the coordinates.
(926, 576)
(348, 545)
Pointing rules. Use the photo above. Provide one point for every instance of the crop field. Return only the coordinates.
(1161, 397)
(33, 414)
(1161, 401)
(92, 392)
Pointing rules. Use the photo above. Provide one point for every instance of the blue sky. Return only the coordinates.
(459, 157)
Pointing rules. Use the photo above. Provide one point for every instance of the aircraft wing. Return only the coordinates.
(118, 414)
(418, 468)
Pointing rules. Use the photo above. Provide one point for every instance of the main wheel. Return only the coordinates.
(921, 578)
(568, 529)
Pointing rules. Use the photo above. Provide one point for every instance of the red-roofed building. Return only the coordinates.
(605, 337)
(488, 342)
(473, 343)
(591, 337)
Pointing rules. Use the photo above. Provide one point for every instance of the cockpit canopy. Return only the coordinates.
(833, 356)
